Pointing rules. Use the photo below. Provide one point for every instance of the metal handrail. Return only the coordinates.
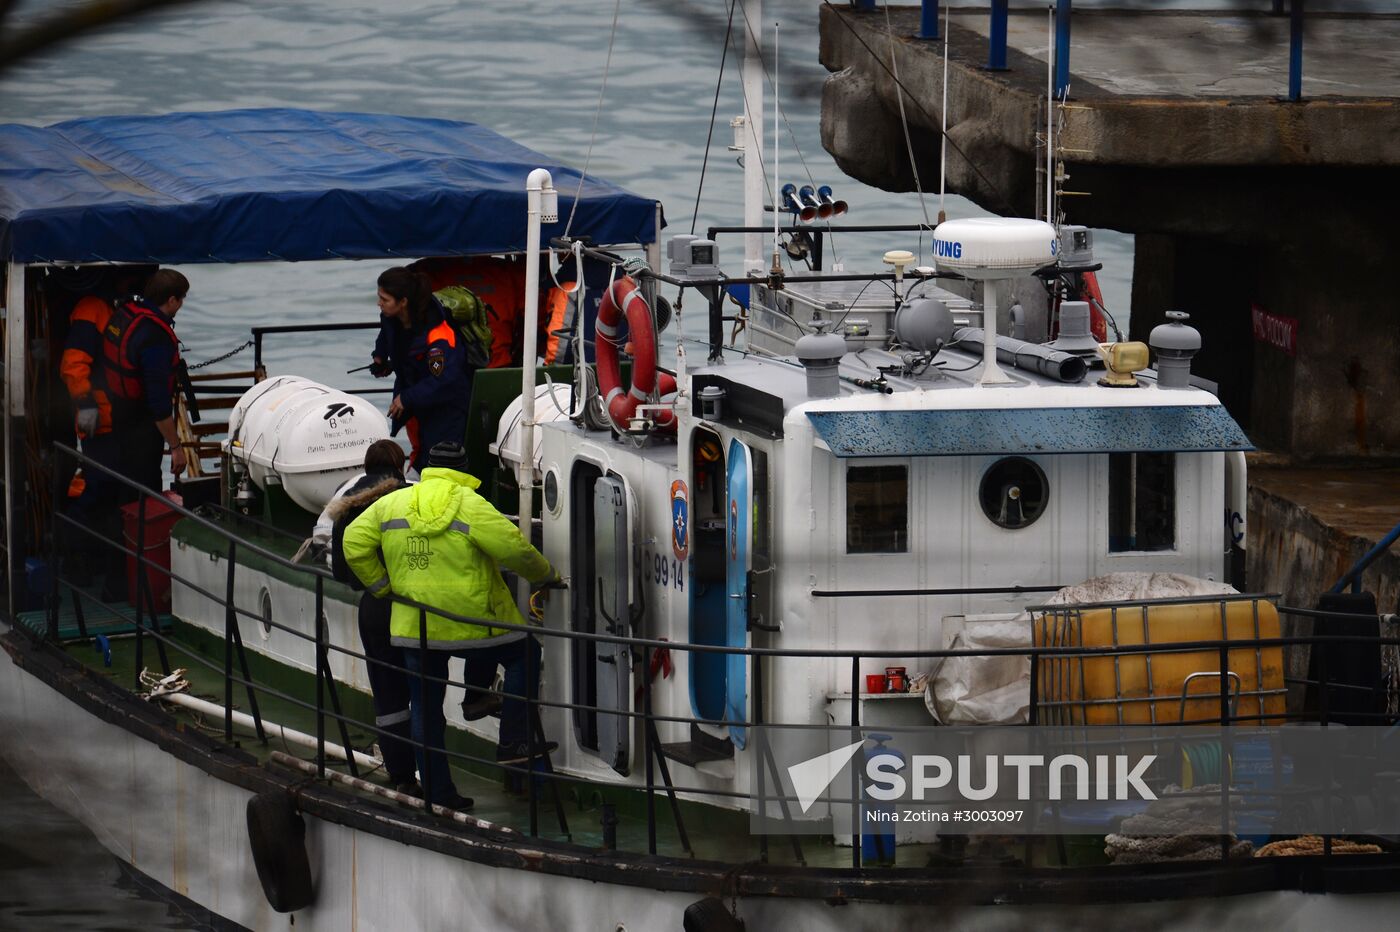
(758, 655)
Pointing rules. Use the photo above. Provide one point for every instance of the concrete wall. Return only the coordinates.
(1293, 553)
(1236, 201)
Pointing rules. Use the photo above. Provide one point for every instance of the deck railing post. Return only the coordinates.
(140, 574)
(1323, 689)
(243, 654)
(1225, 740)
(760, 752)
(230, 621)
(1033, 713)
(54, 594)
(996, 37)
(715, 295)
(1295, 50)
(324, 661)
(531, 746)
(647, 750)
(321, 698)
(928, 20)
(1062, 14)
(427, 770)
(855, 769)
(145, 598)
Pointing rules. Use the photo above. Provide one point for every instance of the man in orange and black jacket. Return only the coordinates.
(119, 365)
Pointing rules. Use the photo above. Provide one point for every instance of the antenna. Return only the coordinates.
(1050, 116)
(777, 149)
(755, 168)
(943, 138)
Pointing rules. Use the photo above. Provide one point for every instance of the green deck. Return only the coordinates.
(99, 618)
(714, 833)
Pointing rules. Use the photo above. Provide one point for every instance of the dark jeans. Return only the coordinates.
(521, 660)
(389, 688)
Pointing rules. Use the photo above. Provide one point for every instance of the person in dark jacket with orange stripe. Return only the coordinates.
(421, 347)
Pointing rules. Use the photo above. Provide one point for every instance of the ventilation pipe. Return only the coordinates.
(1075, 333)
(820, 354)
(1175, 344)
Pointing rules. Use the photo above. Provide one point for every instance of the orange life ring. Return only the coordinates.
(624, 298)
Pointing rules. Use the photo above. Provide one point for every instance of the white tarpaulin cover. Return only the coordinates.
(996, 690)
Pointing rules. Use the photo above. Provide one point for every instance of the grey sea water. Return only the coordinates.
(530, 69)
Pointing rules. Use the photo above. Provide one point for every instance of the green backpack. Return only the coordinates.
(469, 314)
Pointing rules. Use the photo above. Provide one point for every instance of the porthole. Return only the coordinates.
(1014, 492)
(551, 491)
(265, 610)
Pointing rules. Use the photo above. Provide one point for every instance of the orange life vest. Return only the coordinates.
(122, 373)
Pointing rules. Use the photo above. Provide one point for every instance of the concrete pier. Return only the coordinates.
(1273, 222)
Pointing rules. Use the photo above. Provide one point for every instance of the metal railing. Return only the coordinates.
(326, 706)
(929, 28)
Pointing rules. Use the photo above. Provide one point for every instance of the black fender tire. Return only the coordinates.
(277, 836)
(710, 915)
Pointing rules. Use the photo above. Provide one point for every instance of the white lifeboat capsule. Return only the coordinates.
(306, 435)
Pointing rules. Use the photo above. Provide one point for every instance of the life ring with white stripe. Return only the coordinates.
(624, 299)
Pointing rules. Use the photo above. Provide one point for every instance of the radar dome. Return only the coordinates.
(994, 247)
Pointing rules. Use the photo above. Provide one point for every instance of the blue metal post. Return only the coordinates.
(1062, 12)
(928, 20)
(1295, 50)
(1353, 575)
(996, 39)
(865, 6)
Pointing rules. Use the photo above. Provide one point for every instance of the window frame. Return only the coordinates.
(855, 463)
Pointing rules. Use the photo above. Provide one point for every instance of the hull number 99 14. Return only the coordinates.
(664, 570)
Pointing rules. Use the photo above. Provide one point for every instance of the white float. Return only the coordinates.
(307, 436)
(551, 404)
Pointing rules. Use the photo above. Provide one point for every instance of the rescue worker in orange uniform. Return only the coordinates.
(422, 349)
(119, 366)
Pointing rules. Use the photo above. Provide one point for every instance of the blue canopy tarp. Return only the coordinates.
(249, 185)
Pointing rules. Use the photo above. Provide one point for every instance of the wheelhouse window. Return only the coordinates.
(1141, 501)
(877, 509)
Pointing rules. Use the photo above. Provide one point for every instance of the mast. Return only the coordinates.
(754, 195)
(542, 207)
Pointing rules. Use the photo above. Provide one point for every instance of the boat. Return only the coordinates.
(779, 534)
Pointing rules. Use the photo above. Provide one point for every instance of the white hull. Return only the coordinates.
(185, 828)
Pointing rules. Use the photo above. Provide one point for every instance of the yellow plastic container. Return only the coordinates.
(1140, 689)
